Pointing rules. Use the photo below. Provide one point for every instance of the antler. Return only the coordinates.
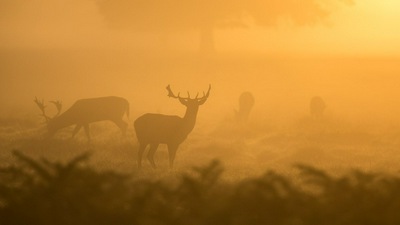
(205, 96)
(42, 107)
(58, 105)
(208, 92)
(170, 93)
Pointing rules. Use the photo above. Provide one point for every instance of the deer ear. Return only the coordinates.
(202, 101)
(183, 101)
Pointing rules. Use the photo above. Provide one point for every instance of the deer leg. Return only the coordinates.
(172, 152)
(77, 128)
(150, 155)
(142, 147)
(86, 127)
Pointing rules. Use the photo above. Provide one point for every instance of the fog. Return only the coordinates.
(300, 125)
(357, 88)
(345, 52)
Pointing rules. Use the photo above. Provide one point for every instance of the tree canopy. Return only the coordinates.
(206, 15)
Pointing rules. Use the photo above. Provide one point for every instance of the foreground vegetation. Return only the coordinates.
(44, 192)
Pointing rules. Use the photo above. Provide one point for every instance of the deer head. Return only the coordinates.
(190, 102)
(42, 107)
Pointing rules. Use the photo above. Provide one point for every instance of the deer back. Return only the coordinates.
(158, 128)
(91, 110)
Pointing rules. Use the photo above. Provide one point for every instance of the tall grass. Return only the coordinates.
(43, 192)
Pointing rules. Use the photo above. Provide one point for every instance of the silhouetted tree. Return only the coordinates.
(206, 15)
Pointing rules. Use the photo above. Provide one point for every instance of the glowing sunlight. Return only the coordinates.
(199, 112)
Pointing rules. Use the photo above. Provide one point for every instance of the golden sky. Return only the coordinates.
(370, 27)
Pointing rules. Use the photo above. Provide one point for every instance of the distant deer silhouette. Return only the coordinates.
(85, 111)
(317, 107)
(154, 129)
(246, 103)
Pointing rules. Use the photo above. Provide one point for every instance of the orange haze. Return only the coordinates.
(65, 49)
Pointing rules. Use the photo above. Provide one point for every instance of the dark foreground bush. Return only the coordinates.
(41, 192)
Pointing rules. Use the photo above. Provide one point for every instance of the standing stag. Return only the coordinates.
(156, 129)
(85, 111)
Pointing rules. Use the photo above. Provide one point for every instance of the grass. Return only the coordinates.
(44, 192)
(307, 173)
(245, 150)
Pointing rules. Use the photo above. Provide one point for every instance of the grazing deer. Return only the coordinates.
(155, 129)
(85, 111)
(246, 103)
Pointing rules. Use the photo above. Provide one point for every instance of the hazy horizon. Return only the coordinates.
(70, 49)
(302, 118)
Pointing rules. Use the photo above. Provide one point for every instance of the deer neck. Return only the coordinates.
(60, 122)
(189, 120)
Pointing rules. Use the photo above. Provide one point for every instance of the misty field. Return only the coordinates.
(244, 149)
(278, 112)
(327, 171)
(282, 166)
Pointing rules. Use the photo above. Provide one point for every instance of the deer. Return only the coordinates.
(246, 103)
(155, 129)
(85, 111)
